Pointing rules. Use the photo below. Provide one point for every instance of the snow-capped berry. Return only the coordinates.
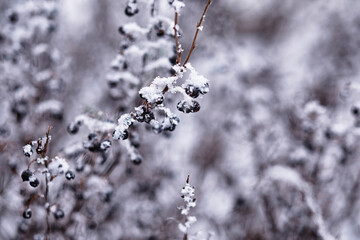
(192, 91)
(39, 149)
(156, 127)
(34, 182)
(136, 159)
(58, 214)
(92, 136)
(131, 8)
(148, 116)
(120, 134)
(105, 144)
(26, 174)
(195, 91)
(27, 149)
(188, 107)
(27, 213)
(69, 175)
(159, 28)
(73, 128)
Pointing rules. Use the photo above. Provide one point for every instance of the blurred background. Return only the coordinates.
(272, 153)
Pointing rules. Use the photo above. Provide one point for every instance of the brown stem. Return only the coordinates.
(32, 199)
(43, 153)
(197, 31)
(178, 59)
(47, 208)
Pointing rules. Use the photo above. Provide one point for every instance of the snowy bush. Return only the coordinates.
(106, 107)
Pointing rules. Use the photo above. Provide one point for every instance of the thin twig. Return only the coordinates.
(197, 32)
(178, 50)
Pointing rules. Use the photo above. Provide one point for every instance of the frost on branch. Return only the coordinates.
(188, 194)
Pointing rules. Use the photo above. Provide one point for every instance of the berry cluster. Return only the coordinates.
(28, 176)
(146, 50)
(26, 56)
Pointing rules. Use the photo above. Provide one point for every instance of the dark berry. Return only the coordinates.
(92, 225)
(192, 91)
(73, 128)
(34, 182)
(69, 175)
(106, 197)
(173, 59)
(105, 145)
(25, 175)
(58, 214)
(92, 136)
(136, 160)
(130, 11)
(39, 149)
(27, 213)
(13, 17)
(121, 30)
(355, 111)
(188, 107)
(148, 117)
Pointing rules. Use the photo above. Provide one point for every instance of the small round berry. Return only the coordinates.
(34, 182)
(136, 160)
(26, 174)
(148, 116)
(105, 145)
(73, 128)
(27, 150)
(129, 11)
(173, 59)
(39, 149)
(92, 136)
(121, 30)
(27, 213)
(13, 17)
(355, 111)
(58, 214)
(69, 175)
